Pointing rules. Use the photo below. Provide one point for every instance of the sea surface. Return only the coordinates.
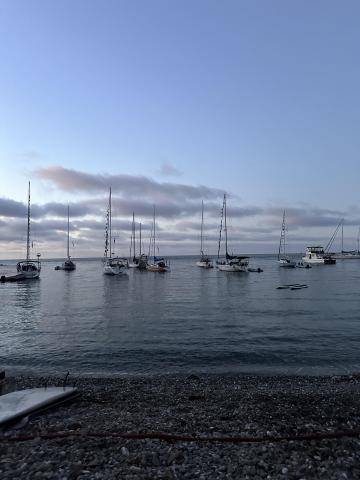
(185, 321)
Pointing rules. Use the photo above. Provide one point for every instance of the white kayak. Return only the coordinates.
(23, 402)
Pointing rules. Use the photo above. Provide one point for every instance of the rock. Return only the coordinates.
(125, 451)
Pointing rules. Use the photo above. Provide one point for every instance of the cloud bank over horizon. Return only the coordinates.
(252, 228)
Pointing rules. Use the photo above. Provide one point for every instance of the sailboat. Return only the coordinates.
(232, 263)
(142, 258)
(348, 254)
(158, 264)
(29, 268)
(112, 265)
(204, 261)
(283, 260)
(68, 265)
(136, 261)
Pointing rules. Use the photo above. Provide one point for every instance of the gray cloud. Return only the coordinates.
(12, 208)
(129, 186)
(178, 214)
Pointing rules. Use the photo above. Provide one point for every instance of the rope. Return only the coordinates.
(181, 438)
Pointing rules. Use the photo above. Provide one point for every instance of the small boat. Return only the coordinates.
(158, 264)
(68, 264)
(30, 269)
(204, 261)
(317, 256)
(301, 264)
(112, 265)
(283, 260)
(232, 263)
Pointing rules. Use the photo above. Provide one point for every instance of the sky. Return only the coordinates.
(173, 103)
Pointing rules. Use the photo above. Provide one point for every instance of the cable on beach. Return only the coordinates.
(181, 438)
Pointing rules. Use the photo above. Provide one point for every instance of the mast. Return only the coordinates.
(282, 237)
(140, 239)
(133, 235)
(28, 229)
(221, 222)
(154, 235)
(202, 222)
(342, 236)
(110, 222)
(358, 240)
(226, 236)
(68, 234)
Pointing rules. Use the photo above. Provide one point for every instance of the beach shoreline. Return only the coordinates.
(211, 406)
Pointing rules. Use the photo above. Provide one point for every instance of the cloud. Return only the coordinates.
(128, 186)
(169, 170)
(12, 208)
(178, 216)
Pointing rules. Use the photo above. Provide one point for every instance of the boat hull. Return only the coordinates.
(68, 266)
(204, 264)
(115, 267)
(156, 268)
(313, 261)
(29, 269)
(115, 270)
(233, 268)
(285, 263)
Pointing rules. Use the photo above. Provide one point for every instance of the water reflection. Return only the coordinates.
(188, 318)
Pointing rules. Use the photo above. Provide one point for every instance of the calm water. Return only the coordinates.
(184, 321)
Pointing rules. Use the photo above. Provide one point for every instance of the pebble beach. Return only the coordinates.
(81, 439)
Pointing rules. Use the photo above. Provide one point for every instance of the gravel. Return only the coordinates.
(206, 405)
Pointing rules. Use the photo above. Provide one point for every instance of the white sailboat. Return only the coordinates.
(30, 269)
(204, 261)
(283, 260)
(112, 265)
(158, 264)
(232, 263)
(68, 265)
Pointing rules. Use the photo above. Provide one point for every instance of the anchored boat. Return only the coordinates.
(232, 263)
(112, 265)
(29, 269)
(283, 260)
(158, 264)
(68, 264)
